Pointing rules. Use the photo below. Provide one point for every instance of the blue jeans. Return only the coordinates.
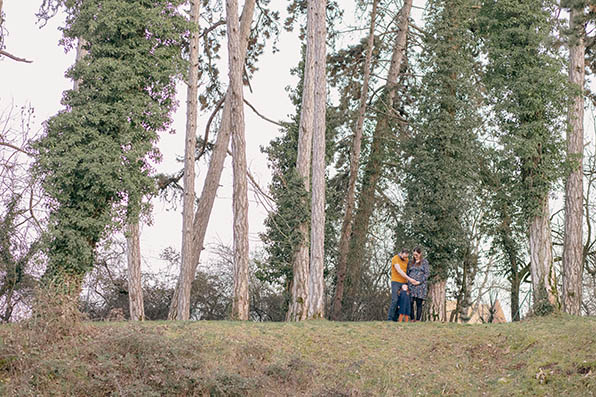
(395, 287)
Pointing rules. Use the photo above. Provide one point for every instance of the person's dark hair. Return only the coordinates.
(404, 251)
(419, 251)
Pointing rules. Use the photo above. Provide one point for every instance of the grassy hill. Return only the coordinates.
(540, 357)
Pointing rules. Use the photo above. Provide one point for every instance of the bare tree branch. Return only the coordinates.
(261, 116)
(9, 55)
(208, 126)
(18, 149)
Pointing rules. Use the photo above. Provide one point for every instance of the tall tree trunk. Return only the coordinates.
(373, 170)
(216, 164)
(436, 305)
(541, 257)
(186, 261)
(346, 228)
(135, 286)
(316, 279)
(573, 263)
(240, 195)
(298, 307)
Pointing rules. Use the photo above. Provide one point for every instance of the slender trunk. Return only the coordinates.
(298, 307)
(240, 195)
(346, 229)
(515, 284)
(135, 286)
(436, 307)
(572, 247)
(216, 164)
(541, 257)
(8, 305)
(464, 298)
(186, 260)
(366, 201)
(316, 279)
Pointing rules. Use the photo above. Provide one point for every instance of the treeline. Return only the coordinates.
(453, 134)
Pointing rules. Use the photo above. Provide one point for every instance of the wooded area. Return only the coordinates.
(464, 131)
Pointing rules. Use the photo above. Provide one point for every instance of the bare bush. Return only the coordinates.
(21, 214)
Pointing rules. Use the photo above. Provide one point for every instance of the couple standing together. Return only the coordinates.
(413, 274)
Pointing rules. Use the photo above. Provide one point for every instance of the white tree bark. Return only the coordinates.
(298, 307)
(187, 270)
(135, 286)
(316, 280)
(240, 195)
(573, 262)
(346, 229)
(216, 164)
(541, 256)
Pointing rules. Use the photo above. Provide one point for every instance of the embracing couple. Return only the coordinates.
(408, 285)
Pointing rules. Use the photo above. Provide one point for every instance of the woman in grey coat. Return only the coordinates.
(419, 270)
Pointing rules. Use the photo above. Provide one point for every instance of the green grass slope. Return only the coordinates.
(541, 357)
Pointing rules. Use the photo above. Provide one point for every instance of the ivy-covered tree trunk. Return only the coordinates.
(436, 303)
(515, 283)
(346, 229)
(465, 283)
(186, 260)
(240, 190)
(298, 306)
(541, 258)
(374, 166)
(216, 164)
(514, 269)
(573, 261)
(94, 158)
(135, 285)
(528, 93)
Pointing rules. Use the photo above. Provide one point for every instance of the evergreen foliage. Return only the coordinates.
(527, 91)
(292, 202)
(94, 158)
(443, 154)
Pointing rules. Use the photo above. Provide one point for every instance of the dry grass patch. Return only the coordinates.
(549, 356)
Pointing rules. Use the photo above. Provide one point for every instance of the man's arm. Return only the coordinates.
(404, 275)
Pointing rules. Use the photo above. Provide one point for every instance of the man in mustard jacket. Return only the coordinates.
(399, 267)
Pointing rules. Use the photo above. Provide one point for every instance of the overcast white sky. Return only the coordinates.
(42, 83)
